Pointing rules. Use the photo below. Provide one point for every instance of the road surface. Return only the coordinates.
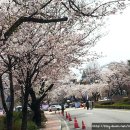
(94, 116)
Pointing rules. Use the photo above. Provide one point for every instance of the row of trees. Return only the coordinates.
(43, 39)
(118, 79)
(112, 81)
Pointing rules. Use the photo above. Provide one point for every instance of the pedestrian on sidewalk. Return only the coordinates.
(62, 108)
(87, 104)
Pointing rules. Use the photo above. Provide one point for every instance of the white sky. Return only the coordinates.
(116, 45)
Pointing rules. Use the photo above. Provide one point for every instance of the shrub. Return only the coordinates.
(126, 101)
(2, 122)
(107, 103)
(113, 106)
(31, 126)
(17, 124)
(17, 115)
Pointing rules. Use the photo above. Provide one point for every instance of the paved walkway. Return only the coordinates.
(53, 122)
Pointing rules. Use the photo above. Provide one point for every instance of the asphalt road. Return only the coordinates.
(94, 116)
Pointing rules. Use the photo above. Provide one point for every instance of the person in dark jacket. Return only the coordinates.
(87, 104)
(62, 108)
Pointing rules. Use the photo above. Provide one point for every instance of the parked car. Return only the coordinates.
(72, 104)
(19, 108)
(105, 99)
(54, 108)
(66, 105)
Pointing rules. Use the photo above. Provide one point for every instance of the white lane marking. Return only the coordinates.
(88, 113)
(66, 125)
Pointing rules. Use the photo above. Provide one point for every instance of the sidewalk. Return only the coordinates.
(53, 122)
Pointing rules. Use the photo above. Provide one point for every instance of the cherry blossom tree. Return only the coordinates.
(7, 82)
(117, 77)
(34, 55)
(91, 74)
(32, 47)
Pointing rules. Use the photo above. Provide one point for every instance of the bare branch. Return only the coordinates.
(65, 5)
(45, 93)
(91, 14)
(28, 19)
(110, 2)
(43, 6)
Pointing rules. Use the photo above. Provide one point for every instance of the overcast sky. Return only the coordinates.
(116, 44)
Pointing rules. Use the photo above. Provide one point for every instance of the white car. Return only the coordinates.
(19, 108)
(105, 99)
(54, 108)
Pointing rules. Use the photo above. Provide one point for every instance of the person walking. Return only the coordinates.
(87, 104)
(62, 109)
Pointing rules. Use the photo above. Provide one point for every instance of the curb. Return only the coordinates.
(60, 125)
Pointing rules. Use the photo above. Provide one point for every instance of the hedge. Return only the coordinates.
(17, 122)
(113, 106)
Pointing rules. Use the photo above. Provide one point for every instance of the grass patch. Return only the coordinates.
(124, 103)
(2, 122)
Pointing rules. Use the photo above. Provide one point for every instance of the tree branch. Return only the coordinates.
(45, 93)
(43, 6)
(29, 19)
(32, 94)
(74, 7)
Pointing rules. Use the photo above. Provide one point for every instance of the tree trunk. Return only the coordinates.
(9, 120)
(8, 109)
(35, 106)
(24, 113)
(25, 104)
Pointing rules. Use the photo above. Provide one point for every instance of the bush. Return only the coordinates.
(107, 103)
(17, 121)
(17, 124)
(17, 116)
(31, 126)
(125, 101)
(113, 106)
(2, 122)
